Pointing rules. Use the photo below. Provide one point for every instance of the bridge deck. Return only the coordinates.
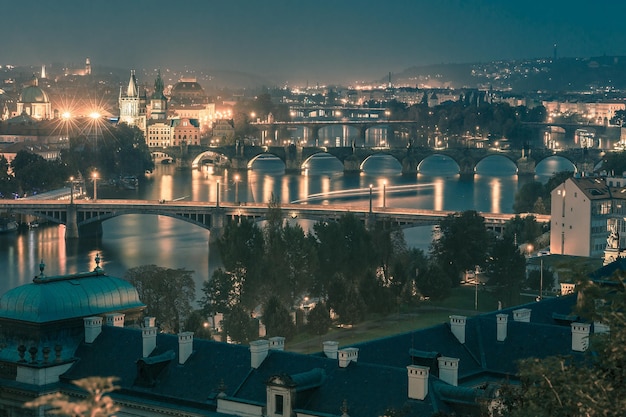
(190, 210)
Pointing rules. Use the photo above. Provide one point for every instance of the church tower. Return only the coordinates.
(132, 104)
(158, 101)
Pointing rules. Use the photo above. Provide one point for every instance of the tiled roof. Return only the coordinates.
(375, 383)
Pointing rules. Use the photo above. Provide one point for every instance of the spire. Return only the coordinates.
(132, 90)
(158, 87)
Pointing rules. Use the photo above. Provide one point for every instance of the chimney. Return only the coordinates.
(522, 315)
(347, 355)
(449, 370)
(148, 335)
(330, 349)
(418, 382)
(258, 352)
(601, 328)
(93, 327)
(149, 322)
(580, 336)
(185, 346)
(501, 326)
(115, 319)
(277, 343)
(457, 325)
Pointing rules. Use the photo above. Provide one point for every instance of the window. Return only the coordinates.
(278, 404)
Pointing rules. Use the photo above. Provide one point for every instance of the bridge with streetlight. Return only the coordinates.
(84, 218)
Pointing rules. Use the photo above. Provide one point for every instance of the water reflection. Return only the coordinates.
(133, 240)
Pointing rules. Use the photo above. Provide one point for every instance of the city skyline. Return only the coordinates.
(317, 42)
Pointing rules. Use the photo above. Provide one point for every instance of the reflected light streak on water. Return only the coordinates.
(134, 240)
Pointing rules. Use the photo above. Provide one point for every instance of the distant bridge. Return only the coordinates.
(295, 158)
(84, 218)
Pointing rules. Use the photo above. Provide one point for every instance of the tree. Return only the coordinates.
(223, 291)
(569, 386)
(522, 229)
(277, 319)
(97, 403)
(239, 326)
(196, 323)
(462, 244)
(526, 197)
(506, 270)
(319, 319)
(167, 293)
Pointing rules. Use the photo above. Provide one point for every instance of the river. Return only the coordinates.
(133, 240)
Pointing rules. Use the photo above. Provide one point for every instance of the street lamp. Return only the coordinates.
(95, 188)
(370, 198)
(71, 190)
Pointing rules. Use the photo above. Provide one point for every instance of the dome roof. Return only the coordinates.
(187, 88)
(33, 94)
(50, 299)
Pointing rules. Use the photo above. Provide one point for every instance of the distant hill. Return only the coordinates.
(595, 74)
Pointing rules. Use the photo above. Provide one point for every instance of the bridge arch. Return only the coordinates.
(553, 164)
(480, 163)
(267, 156)
(210, 157)
(310, 160)
(423, 164)
(384, 156)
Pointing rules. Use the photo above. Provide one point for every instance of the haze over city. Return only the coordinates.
(295, 42)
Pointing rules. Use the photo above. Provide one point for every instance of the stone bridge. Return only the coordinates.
(241, 157)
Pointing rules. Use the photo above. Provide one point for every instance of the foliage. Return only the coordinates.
(223, 291)
(277, 319)
(522, 229)
(33, 173)
(462, 244)
(572, 386)
(96, 404)
(535, 197)
(167, 293)
(345, 299)
(615, 162)
(434, 282)
(344, 247)
(526, 197)
(114, 151)
(319, 319)
(506, 270)
(196, 323)
(240, 326)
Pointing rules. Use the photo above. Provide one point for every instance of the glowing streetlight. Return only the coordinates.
(66, 115)
(94, 115)
(94, 176)
(71, 190)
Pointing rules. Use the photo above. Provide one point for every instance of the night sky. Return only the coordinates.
(319, 41)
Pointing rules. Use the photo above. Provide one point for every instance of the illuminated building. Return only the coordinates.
(188, 100)
(34, 101)
(132, 104)
(86, 70)
(185, 131)
(583, 212)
